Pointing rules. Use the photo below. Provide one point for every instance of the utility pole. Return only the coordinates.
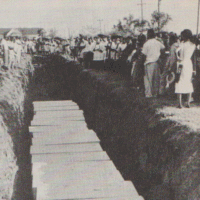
(100, 20)
(197, 37)
(141, 4)
(142, 17)
(159, 15)
(198, 18)
(69, 32)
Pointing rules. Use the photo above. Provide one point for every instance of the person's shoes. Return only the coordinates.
(179, 106)
(187, 106)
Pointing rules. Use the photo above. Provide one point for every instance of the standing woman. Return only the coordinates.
(184, 54)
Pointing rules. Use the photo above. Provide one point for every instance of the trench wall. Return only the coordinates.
(15, 115)
(160, 156)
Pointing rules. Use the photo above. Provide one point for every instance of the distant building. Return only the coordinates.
(14, 32)
(29, 33)
(4, 31)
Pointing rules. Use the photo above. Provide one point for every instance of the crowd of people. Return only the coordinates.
(13, 46)
(154, 62)
(157, 62)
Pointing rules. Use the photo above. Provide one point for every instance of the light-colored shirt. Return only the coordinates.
(98, 53)
(4, 44)
(17, 50)
(122, 46)
(92, 45)
(114, 45)
(73, 43)
(151, 50)
(83, 43)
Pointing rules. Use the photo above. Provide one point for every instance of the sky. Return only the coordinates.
(68, 17)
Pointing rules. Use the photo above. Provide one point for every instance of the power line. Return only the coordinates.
(100, 20)
(141, 4)
(159, 15)
(198, 18)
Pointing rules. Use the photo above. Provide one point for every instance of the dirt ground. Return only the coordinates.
(189, 117)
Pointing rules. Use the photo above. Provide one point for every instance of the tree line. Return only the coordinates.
(131, 26)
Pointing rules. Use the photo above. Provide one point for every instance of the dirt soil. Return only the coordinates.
(151, 142)
(189, 117)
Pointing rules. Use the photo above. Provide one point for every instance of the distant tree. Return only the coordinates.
(130, 26)
(129, 22)
(159, 18)
(119, 26)
(122, 29)
(141, 25)
(41, 32)
(52, 32)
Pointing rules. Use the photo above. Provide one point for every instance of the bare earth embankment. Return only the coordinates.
(15, 115)
(151, 142)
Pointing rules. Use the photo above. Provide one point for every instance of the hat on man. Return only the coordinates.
(102, 36)
(150, 33)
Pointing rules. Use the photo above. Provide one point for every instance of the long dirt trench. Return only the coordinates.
(145, 140)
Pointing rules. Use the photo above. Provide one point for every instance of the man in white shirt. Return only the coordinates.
(4, 46)
(152, 50)
(11, 53)
(122, 45)
(98, 59)
(88, 53)
(17, 49)
(113, 49)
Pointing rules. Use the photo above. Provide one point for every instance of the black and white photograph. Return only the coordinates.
(99, 100)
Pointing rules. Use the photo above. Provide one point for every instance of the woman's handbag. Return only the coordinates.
(170, 78)
(178, 72)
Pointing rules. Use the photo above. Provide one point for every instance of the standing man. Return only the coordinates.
(152, 50)
(4, 45)
(17, 49)
(98, 59)
(113, 50)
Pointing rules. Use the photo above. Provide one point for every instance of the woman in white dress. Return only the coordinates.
(184, 54)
